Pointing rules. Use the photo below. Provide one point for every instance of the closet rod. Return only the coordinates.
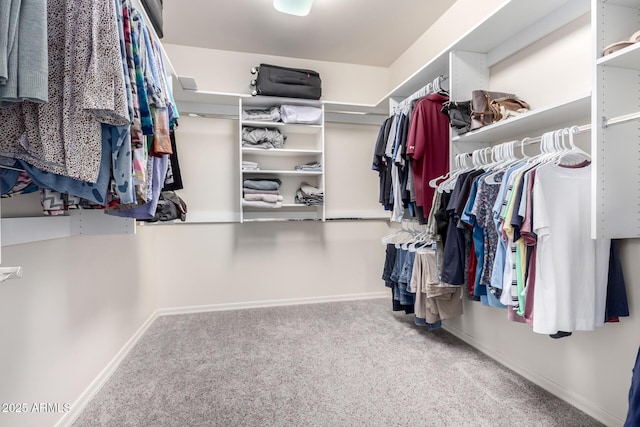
(536, 139)
(11, 168)
(423, 91)
(620, 119)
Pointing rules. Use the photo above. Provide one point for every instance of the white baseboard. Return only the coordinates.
(270, 303)
(588, 407)
(81, 403)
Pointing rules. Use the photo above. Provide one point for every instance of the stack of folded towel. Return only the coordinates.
(309, 195)
(261, 193)
(262, 138)
(310, 167)
(270, 115)
(250, 166)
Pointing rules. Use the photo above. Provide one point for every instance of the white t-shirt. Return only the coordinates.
(571, 268)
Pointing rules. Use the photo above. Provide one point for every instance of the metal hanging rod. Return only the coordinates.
(11, 168)
(620, 119)
(527, 141)
(424, 91)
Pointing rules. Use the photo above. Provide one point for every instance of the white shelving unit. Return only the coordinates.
(303, 143)
(615, 138)
(514, 25)
(470, 58)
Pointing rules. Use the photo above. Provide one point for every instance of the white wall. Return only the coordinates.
(243, 263)
(79, 301)
(556, 68)
(453, 24)
(229, 72)
(257, 262)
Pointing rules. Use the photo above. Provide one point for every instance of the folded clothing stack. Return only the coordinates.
(270, 115)
(261, 193)
(309, 195)
(310, 167)
(262, 137)
(250, 166)
(301, 114)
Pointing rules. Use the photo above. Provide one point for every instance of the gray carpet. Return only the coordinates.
(335, 364)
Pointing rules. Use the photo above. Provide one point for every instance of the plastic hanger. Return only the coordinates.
(508, 159)
(574, 153)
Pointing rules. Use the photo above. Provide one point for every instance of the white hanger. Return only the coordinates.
(448, 184)
(390, 237)
(574, 153)
(508, 159)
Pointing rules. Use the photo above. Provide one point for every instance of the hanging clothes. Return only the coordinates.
(428, 147)
(63, 136)
(571, 268)
(24, 67)
(502, 230)
(633, 411)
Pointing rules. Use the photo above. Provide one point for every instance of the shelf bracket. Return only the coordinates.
(10, 273)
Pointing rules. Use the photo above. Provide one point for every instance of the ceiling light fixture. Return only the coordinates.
(293, 7)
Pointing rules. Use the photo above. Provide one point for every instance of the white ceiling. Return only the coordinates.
(367, 32)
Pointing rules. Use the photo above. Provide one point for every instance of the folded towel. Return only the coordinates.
(262, 138)
(260, 204)
(300, 114)
(272, 114)
(271, 198)
(310, 190)
(262, 184)
(254, 191)
(311, 166)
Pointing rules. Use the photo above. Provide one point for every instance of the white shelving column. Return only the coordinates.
(303, 143)
(468, 71)
(615, 149)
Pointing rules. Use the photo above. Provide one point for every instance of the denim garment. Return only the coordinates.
(94, 192)
(148, 210)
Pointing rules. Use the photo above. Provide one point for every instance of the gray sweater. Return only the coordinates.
(23, 51)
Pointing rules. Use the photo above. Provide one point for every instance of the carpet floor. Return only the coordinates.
(351, 363)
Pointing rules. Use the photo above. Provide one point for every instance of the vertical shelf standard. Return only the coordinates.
(615, 182)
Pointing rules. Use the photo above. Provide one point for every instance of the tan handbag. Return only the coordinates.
(503, 108)
(481, 113)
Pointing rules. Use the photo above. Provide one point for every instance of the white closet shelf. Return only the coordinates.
(512, 27)
(629, 57)
(284, 152)
(624, 3)
(273, 101)
(299, 206)
(206, 97)
(78, 222)
(283, 172)
(279, 219)
(285, 127)
(575, 111)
